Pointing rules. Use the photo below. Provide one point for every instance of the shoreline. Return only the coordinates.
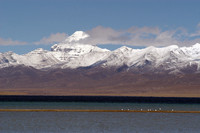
(137, 99)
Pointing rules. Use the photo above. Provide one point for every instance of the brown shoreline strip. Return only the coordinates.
(77, 110)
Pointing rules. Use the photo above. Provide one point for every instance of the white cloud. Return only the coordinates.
(142, 30)
(190, 42)
(103, 35)
(9, 41)
(197, 33)
(53, 38)
(142, 36)
(136, 36)
(198, 25)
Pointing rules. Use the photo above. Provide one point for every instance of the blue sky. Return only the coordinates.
(29, 24)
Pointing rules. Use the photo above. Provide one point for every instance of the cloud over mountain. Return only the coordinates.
(133, 36)
(141, 36)
(6, 42)
(197, 33)
(53, 38)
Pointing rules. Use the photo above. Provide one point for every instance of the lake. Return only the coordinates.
(92, 122)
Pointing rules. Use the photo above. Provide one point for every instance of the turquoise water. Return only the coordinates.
(98, 122)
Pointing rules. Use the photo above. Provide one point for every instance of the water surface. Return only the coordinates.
(99, 106)
(92, 122)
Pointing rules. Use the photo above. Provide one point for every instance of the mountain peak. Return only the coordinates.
(76, 36)
(197, 45)
(172, 47)
(193, 51)
(71, 42)
(124, 48)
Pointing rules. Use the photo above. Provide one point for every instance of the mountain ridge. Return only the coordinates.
(73, 53)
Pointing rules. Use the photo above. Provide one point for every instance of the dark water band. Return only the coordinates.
(26, 98)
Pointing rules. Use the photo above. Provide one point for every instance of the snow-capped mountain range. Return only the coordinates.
(72, 53)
